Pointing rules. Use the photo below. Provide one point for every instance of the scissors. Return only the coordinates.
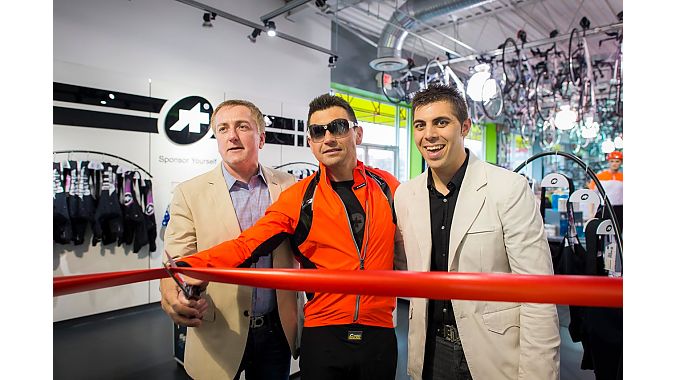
(190, 291)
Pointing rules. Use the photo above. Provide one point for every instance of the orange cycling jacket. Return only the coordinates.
(322, 239)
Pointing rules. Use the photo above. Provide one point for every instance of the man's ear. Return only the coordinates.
(466, 126)
(262, 140)
(359, 134)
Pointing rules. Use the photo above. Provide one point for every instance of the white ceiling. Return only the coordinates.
(484, 27)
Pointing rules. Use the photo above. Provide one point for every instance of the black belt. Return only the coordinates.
(270, 318)
(449, 333)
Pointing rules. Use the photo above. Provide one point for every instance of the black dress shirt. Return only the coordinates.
(442, 207)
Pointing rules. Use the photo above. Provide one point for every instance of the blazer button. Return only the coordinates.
(246, 313)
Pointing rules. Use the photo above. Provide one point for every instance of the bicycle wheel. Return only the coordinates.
(527, 128)
(545, 95)
(491, 99)
(550, 136)
(434, 73)
(395, 94)
(576, 59)
(510, 63)
(505, 143)
(576, 140)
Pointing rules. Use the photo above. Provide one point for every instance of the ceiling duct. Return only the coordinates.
(407, 17)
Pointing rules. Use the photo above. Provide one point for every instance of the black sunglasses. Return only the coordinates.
(338, 129)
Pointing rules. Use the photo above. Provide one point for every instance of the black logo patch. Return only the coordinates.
(188, 120)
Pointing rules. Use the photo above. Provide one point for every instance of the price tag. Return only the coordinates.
(609, 257)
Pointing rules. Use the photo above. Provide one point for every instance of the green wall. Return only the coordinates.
(491, 142)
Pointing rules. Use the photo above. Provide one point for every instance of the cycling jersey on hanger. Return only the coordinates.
(149, 211)
(80, 201)
(107, 226)
(62, 230)
(140, 225)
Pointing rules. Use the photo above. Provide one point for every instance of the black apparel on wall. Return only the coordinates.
(116, 203)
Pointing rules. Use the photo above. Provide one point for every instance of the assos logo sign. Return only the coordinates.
(188, 120)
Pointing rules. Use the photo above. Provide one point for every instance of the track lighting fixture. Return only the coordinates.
(270, 28)
(207, 17)
(252, 37)
(332, 61)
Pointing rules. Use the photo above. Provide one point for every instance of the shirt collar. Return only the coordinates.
(230, 180)
(456, 180)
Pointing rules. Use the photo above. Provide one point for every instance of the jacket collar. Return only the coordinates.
(358, 174)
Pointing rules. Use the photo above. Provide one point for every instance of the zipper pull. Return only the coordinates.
(361, 263)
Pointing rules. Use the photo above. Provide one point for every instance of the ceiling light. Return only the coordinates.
(589, 131)
(207, 17)
(565, 119)
(607, 146)
(270, 28)
(103, 102)
(111, 96)
(476, 82)
(252, 37)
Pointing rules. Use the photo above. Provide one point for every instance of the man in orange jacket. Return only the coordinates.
(612, 178)
(612, 181)
(340, 218)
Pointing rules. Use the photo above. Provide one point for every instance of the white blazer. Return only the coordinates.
(496, 228)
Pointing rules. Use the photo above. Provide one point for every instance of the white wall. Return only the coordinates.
(120, 45)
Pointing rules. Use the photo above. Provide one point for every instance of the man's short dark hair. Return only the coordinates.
(326, 101)
(439, 93)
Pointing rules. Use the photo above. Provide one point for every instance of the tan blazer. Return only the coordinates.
(496, 228)
(202, 215)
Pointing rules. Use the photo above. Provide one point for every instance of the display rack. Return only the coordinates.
(592, 175)
(104, 154)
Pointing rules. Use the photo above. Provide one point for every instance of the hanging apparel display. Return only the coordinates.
(115, 201)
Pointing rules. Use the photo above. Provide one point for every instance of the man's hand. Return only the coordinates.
(183, 311)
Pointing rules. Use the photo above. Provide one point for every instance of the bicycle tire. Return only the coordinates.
(545, 95)
(393, 100)
(549, 129)
(527, 129)
(573, 56)
(427, 79)
(492, 106)
(511, 73)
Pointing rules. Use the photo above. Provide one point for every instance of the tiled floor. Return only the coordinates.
(136, 343)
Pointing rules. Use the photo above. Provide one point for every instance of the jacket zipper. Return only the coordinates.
(359, 255)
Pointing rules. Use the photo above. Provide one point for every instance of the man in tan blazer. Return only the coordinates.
(232, 328)
(464, 215)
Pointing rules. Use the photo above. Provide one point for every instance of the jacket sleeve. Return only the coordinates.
(258, 240)
(528, 253)
(180, 238)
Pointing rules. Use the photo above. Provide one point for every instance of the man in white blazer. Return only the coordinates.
(232, 328)
(464, 215)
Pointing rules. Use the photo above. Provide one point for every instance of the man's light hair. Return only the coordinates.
(255, 112)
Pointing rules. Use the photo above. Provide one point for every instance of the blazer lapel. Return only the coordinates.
(273, 185)
(470, 200)
(419, 209)
(220, 197)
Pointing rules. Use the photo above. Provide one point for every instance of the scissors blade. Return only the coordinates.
(177, 277)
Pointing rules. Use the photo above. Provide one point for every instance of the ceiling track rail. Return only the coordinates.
(239, 20)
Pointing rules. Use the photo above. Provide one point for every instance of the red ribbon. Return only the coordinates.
(559, 289)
